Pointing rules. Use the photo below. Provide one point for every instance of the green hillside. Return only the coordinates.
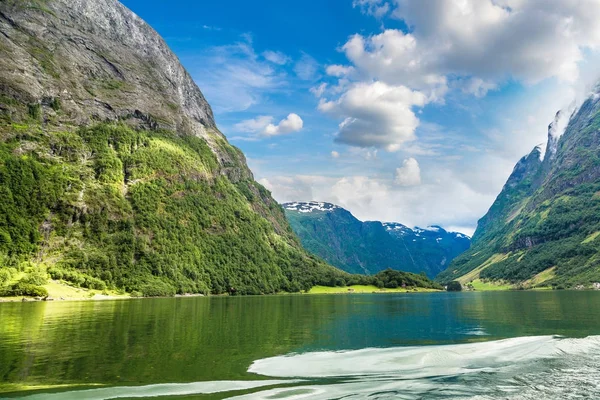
(544, 228)
(113, 174)
(339, 238)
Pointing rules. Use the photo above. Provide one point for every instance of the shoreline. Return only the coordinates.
(80, 294)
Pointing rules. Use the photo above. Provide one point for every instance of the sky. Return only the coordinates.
(410, 111)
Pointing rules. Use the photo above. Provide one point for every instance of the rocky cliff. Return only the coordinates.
(113, 173)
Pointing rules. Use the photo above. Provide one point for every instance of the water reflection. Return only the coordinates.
(143, 342)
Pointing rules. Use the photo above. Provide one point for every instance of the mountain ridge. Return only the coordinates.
(546, 218)
(368, 247)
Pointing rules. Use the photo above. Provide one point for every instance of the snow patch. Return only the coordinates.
(310, 206)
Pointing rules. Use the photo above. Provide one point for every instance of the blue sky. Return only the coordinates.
(399, 110)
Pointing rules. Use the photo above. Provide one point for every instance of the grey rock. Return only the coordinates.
(103, 62)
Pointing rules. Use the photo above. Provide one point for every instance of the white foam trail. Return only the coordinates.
(505, 369)
(536, 368)
(167, 389)
(424, 361)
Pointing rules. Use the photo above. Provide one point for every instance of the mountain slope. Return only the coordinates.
(544, 227)
(113, 173)
(335, 235)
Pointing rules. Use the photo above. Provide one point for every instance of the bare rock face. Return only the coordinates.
(102, 62)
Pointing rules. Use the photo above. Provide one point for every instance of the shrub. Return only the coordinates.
(157, 289)
(25, 289)
(55, 104)
(36, 277)
(93, 283)
(454, 286)
(6, 274)
(34, 111)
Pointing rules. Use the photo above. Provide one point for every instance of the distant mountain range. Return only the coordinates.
(335, 235)
(544, 227)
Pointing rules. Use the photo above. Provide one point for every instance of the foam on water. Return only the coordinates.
(542, 367)
(422, 361)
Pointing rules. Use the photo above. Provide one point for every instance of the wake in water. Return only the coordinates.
(542, 367)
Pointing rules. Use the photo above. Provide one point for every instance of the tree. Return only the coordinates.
(454, 286)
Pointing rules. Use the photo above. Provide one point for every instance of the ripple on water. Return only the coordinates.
(541, 367)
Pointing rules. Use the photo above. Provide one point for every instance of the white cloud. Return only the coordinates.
(473, 46)
(339, 70)
(292, 123)
(254, 125)
(376, 8)
(263, 126)
(376, 115)
(307, 68)
(276, 57)
(233, 77)
(446, 200)
(366, 154)
(409, 174)
(529, 40)
(211, 28)
(478, 87)
(318, 91)
(335, 154)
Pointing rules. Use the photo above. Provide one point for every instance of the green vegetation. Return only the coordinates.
(544, 227)
(368, 247)
(109, 208)
(27, 280)
(454, 286)
(365, 289)
(488, 286)
(147, 211)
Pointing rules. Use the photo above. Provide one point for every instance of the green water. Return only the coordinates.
(197, 340)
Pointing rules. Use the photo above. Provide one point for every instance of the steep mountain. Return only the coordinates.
(113, 173)
(544, 227)
(335, 235)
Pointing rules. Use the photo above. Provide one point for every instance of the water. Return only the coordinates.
(503, 345)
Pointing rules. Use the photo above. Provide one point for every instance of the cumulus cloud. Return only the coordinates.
(446, 201)
(529, 40)
(292, 123)
(276, 57)
(376, 115)
(263, 125)
(470, 45)
(409, 174)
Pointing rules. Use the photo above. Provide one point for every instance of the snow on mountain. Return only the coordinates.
(310, 206)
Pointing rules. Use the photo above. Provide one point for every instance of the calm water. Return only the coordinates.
(412, 346)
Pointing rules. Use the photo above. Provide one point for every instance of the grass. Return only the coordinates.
(490, 286)
(59, 290)
(474, 274)
(364, 289)
(540, 278)
(591, 238)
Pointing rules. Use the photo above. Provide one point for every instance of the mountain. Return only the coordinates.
(113, 173)
(335, 235)
(544, 227)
